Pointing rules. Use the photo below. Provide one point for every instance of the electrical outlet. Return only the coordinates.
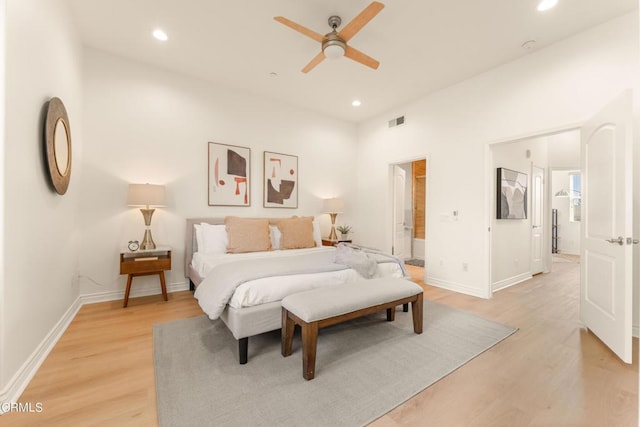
(516, 261)
(441, 262)
(465, 266)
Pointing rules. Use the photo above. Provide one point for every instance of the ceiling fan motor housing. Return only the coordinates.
(333, 39)
(333, 45)
(334, 22)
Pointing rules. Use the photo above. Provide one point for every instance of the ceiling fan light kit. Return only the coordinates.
(334, 44)
(334, 47)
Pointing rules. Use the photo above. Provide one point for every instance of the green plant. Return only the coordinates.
(344, 229)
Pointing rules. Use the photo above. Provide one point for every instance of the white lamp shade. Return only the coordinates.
(146, 195)
(333, 51)
(335, 205)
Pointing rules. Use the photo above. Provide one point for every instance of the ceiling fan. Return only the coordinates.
(334, 44)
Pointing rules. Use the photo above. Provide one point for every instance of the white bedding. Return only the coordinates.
(270, 289)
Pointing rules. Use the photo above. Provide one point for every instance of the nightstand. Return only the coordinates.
(327, 242)
(144, 263)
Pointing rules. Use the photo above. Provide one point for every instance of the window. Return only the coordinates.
(575, 197)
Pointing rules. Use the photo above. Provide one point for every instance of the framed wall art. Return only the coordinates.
(280, 180)
(229, 175)
(511, 194)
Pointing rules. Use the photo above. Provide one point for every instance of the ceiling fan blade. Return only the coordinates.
(315, 61)
(360, 57)
(299, 28)
(360, 21)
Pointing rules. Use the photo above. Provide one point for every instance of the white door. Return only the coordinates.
(606, 244)
(537, 220)
(399, 180)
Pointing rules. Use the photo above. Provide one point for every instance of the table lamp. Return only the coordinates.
(146, 195)
(333, 207)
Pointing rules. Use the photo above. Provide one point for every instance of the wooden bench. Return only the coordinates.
(318, 308)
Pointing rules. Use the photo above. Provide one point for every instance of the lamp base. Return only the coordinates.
(147, 241)
(333, 235)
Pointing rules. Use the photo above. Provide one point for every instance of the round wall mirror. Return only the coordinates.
(58, 145)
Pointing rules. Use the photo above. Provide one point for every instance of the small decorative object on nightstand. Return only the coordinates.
(344, 231)
(145, 263)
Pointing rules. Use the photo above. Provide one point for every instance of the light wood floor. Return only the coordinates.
(552, 372)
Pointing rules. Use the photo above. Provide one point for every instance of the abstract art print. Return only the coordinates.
(229, 175)
(511, 194)
(280, 180)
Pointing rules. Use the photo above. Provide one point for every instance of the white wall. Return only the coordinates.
(564, 150)
(40, 237)
(511, 238)
(143, 124)
(563, 84)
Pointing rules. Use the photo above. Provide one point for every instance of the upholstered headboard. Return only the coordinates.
(190, 243)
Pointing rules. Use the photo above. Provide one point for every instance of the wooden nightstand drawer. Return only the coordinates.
(130, 265)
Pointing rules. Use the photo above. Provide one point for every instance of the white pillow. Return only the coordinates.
(214, 239)
(275, 235)
(316, 233)
(199, 238)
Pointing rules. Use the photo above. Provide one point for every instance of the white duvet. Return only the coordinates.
(270, 289)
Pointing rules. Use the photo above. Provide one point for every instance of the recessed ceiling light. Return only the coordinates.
(160, 35)
(356, 103)
(273, 74)
(546, 5)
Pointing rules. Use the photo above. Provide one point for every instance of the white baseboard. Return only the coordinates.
(456, 287)
(21, 379)
(505, 283)
(142, 291)
(636, 331)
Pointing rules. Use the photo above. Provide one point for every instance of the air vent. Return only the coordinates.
(396, 122)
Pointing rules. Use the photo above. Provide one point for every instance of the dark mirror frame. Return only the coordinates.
(57, 113)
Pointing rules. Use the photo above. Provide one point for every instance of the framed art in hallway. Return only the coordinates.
(511, 194)
(229, 175)
(280, 180)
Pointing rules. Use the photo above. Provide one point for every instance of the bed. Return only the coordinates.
(245, 289)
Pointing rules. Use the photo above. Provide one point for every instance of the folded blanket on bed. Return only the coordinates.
(218, 287)
(357, 259)
(364, 260)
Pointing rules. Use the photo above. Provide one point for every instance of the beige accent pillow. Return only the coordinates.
(297, 233)
(247, 235)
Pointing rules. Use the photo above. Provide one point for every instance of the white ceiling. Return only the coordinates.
(422, 45)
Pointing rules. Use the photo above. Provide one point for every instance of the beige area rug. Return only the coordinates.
(364, 369)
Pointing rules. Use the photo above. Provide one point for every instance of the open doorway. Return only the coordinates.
(566, 213)
(522, 245)
(409, 207)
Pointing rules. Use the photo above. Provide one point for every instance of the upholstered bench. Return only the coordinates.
(318, 308)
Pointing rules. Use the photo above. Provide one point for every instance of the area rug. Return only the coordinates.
(364, 368)
(414, 262)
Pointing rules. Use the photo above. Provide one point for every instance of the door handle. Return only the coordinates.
(619, 240)
(632, 241)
